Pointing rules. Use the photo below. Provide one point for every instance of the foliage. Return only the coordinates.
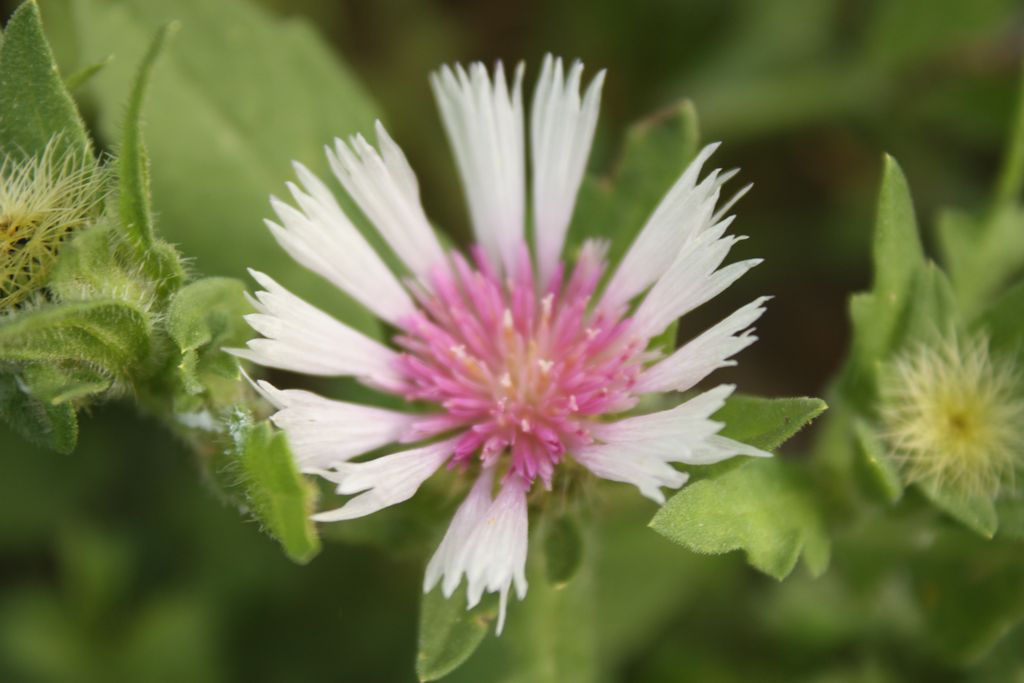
(114, 391)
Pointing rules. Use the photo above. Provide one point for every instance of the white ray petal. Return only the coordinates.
(300, 337)
(385, 188)
(701, 356)
(671, 435)
(486, 542)
(718, 448)
(471, 511)
(494, 556)
(691, 280)
(637, 450)
(616, 462)
(384, 481)
(323, 432)
(321, 237)
(686, 211)
(561, 132)
(484, 123)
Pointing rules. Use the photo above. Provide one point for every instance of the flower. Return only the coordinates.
(954, 417)
(43, 199)
(524, 362)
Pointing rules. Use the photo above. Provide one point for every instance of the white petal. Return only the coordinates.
(699, 357)
(484, 123)
(561, 132)
(685, 211)
(487, 541)
(323, 432)
(469, 513)
(638, 450)
(672, 435)
(321, 237)
(691, 280)
(385, 188)
(617, 462)
(718, 448)
(300, 337)
(385, 481)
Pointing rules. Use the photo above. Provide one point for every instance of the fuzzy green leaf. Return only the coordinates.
(880, 470)
(654, 155)
(204, 317)
(277, 93)
(552, 633)
(449, 633)
(160, 260)
(763, 507)
(897, 255)
(1002, 321)
(1011, 518)
(549, 637)
(897, 251)
(563, 548)
(44, 424)
(971, 593)
(110, 337)
(982, 254)
(1011, 176)
(767, 423)
(79, 78)
(56, 384)
(934, 310)
(34, 104)
(98, 263)
(132, 163)
(977, 513)
(280, 498)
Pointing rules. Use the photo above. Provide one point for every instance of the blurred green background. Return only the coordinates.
(119, 563)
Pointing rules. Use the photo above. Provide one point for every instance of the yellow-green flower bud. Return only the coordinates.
(954, 417)
(43, 200)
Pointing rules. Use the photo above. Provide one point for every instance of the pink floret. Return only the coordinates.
(523, 370)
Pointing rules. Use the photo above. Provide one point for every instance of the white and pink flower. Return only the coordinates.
(526, 361)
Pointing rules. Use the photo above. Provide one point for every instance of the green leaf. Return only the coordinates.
(982, 254)
(238, 97)
(763, 507)
(899, 35)
(655, 153)
(1011, 518)
(563, 547)
(449, 633)
(877, 315)
(767, 423)
(44, 424)
(977, 513)
(204, 317)
(55, 384)
(1002, 321)
(549, 637)
(971, 593)
(662, 582)
(35, 107)
(280, 498)
(85, 74)
(552, 633)
(1011, 176)
(132, 163)
(897, 252)
(111, 337)
(934, 310)
(98, 263)
(880, 469)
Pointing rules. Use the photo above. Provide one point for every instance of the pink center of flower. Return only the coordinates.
(522, 370)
